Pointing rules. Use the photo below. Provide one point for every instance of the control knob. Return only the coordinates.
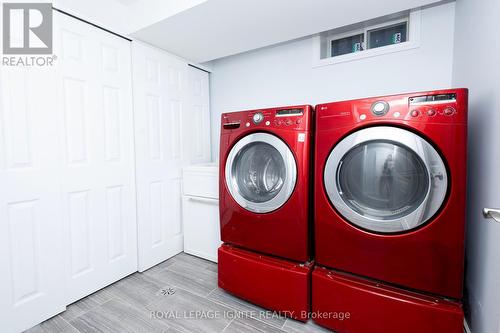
(257, 118)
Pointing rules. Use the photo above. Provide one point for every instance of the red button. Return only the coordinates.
(288, 122)
(415, 113)
(299, 121)
(449, 111)
(431, 112)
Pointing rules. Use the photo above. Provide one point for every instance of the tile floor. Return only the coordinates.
(178, 295)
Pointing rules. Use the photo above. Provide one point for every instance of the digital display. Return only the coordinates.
(289, 112)
(440, 98)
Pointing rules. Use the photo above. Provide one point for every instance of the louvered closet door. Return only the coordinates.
(160, 115)
(31, 242)
(98, 180)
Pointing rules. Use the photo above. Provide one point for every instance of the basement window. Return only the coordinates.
(375, 37)
(345, 45)
(387, 35)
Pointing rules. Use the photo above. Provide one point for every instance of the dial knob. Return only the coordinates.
(380, 108)
(257, 118)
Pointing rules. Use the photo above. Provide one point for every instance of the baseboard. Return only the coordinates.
(466, 327)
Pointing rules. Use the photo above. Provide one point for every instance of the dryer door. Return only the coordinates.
(385, 179)
(261, 172)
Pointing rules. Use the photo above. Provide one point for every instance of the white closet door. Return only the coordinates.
(159, 113)
(199, 116)
(31, 242)
(97, 171)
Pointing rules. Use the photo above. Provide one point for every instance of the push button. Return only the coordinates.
(431, 112)
(449, 111)
(415, 113)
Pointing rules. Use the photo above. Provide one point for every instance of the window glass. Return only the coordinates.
(394, 34)
(347, 45)
(259, 172)
(382, 180)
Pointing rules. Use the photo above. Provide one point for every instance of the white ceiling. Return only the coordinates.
(219, 28)
(127, 2)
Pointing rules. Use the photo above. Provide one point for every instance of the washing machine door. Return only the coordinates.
(261, 172)
(385, 179)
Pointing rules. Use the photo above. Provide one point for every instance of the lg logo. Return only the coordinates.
(27, 28)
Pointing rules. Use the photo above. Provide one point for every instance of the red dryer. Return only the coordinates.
(264, 192)
(390, 187)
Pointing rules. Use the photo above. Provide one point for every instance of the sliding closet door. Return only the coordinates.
(31, 242)
(159, 112)
(98, 177)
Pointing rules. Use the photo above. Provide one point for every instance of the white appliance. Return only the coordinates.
(200, 210)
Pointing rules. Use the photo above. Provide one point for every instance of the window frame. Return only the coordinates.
(413, 22)
(387, 25)
(351, 33)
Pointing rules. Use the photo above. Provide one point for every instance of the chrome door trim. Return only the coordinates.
(290, 172)
(438, 178)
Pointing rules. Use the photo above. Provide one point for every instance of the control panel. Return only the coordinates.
(433, 105)
(443, 106)
(293, 118)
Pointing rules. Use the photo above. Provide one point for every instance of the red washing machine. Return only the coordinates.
(264, 192)
(390, 188)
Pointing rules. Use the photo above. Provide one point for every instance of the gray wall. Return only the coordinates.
(283, 74)
(477, 66)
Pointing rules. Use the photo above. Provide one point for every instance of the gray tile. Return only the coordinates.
(188, 312)
(294, 326)
(187, 258)
(160, 267)
(172, 330)
(204, 277)
(251, 325)
(224, 298)
(186, 272)
(181, 276)
(102, 296)
(214, 268)
(117, 316)
(137, 289)
(55, 324)
(78, 308)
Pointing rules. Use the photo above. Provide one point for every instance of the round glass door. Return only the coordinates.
(385, 179)
(260, 172)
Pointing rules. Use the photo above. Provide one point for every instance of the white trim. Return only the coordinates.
(413, 36)
(467, 327)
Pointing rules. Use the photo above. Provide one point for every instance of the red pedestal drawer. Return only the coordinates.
(275, 284)
(348, 304)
